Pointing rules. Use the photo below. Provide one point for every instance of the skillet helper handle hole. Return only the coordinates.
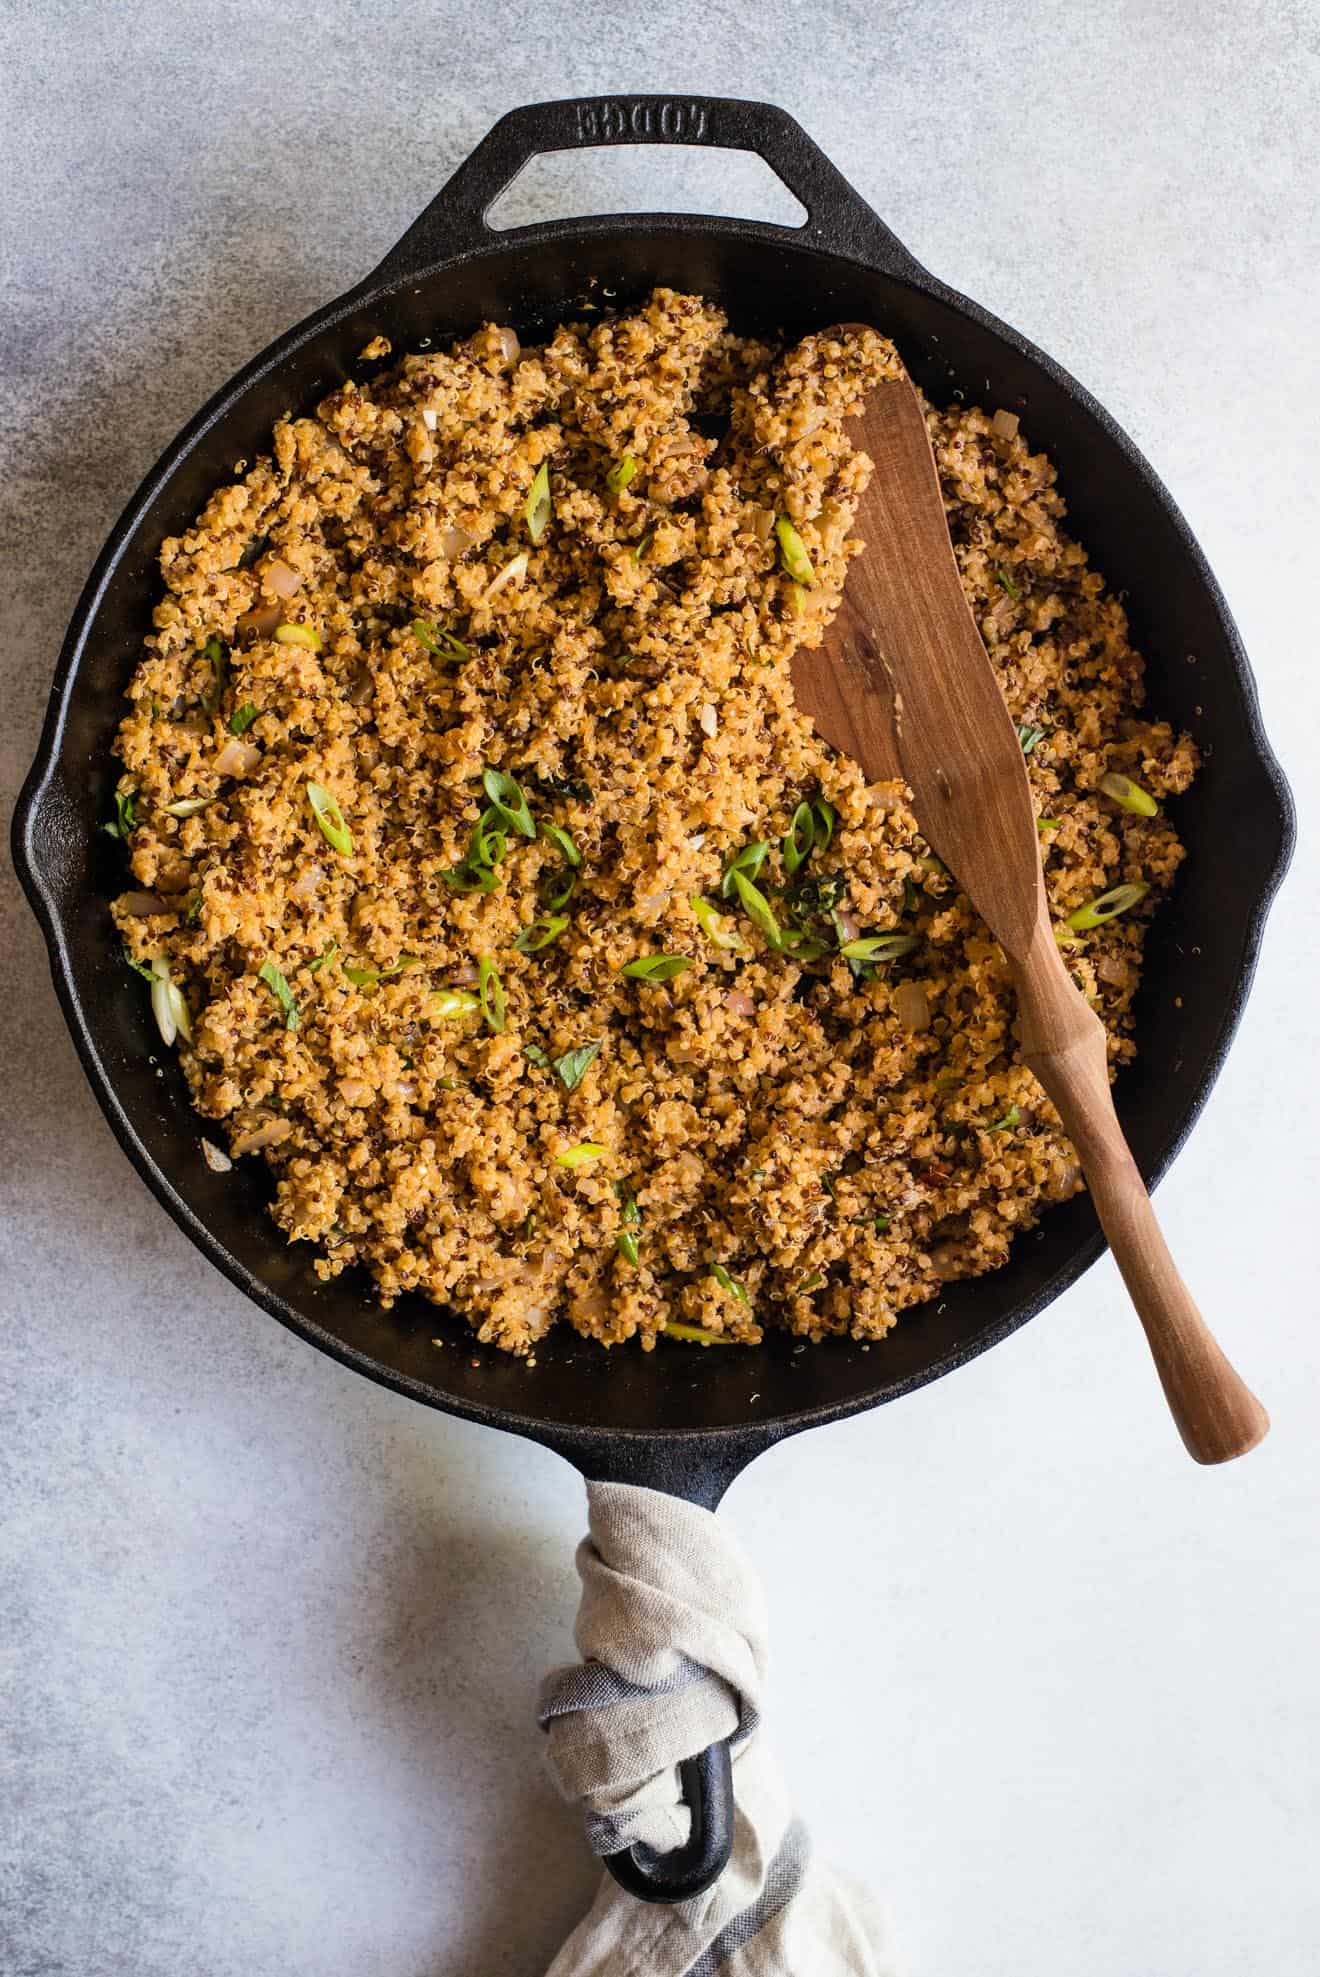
(707, 1786)
(837, 218)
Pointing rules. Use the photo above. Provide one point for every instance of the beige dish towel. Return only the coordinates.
(672, 1631)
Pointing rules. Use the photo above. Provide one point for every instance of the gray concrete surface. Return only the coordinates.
(269, 1638)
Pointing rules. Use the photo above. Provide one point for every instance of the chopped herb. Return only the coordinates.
(534, 1054)
(801, 944)
(298, 635)
(440, 643)
(490, 994)
(449, 1003)
(621, 474)
(539, 506)
(656, 967)
(125, 822)
(757, 908)
(674, 1328)
(214, 654)
(323, 960)
(1005, 1125)
(728, 1283)
(798, 839)
(572, 1067)
(508, 801)
(556, 835)
(1029, 737)
(748, 861)
(368, 977)
(718, 929)
(579, 1155)
(1107, 906)
(188, 806)
(242, 720)
(879, 947)
(541, 933)
(793, 552)
(1129, 795)
(1002, 577)
(194, 912)
(330, 819)
(281, 991)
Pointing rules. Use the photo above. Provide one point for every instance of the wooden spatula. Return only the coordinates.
(906, 686)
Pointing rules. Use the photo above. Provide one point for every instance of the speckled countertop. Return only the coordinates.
(269, 1637)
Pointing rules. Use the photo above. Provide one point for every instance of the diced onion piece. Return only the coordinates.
(216, 1158)
(1005, 424)
(506, 341)
(237, 758)
(430, 419)
(709, 720)
(298, 635)
(143, 905)
(912, 1006)
(1129, 795)
(455, 542)
(281, 577)
(260, 622)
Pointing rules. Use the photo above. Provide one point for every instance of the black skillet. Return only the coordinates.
(678, 1419)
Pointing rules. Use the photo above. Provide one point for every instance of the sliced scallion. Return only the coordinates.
(1002, 577)
(557, 895)
(490, 994)
(243, 717)
(675, 1328)
(125, 815)
(539, 507)
(188, 806)
(450, 1003)
(507, 799)
(330, 819)
(1129, 795)
(656, 967)
(168, 1005)
(143, 968)
(1029, 737)
(793, 552)
(440, 643)
(826, 818)
(799, 838)
(879, 947)
(541, 933)
(556, 835)
(368, 977)
(323, 960)
(1005, 1125)
(281, 991)
(579, 1155)
(748, 861)
(214, 654)
(298, 635)
(621, 474)
(1046, 824)
(757, 908)
(730, 1283)
(719, 930)
(1106, 906)
(814, 1282)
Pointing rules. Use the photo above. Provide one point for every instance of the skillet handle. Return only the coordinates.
(838, 218)
(707, 1783)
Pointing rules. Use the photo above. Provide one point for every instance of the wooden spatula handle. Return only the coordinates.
(1063, 1042)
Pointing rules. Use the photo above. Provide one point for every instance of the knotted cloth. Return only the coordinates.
(672, 1631)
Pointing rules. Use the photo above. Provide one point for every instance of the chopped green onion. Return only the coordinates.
(797, 599)
(298, 635)
(508, 801)
(728, 1283)
(620, 474)
(487, 846)
(512, 572)
(556, 835)
(442, 644)
(1129, 795)
(674, 1328)
(188, 806)
(656, 967)
(640, 548)
(125, 815)
(879, 947)
(281, 991)
(214, 654)
(793, 552)
(881, 1223)
(1002, 577)
(242, 720)
(801, 944)
(194, 912)
(143, 968)
(572, 1067)
(469, 878)
(718, 929)
(1045, 824)
(490, 994)
(1107, 906)
(539, 506)
(748, 861)
(757, 908)
(1029, 737)
(541, 933)
(625, 1240)
(826, 818)
(556, 896)
(330, 819)
(799, 838)
(579, 1155)
(368, 977)
(323, 960)
(1005, 1125)
(449, 1003)
(815, 1282)
(168, 1005)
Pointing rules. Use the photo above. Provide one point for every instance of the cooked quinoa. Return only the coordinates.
(417, 1013)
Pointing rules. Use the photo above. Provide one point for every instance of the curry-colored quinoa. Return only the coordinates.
(837, 1143)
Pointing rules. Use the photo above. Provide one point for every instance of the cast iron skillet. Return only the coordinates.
(677, 1419)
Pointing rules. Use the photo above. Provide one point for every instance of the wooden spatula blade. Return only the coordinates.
(904, 683)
